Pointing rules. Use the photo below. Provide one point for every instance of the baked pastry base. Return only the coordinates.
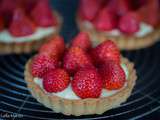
(27, 47)
(123, 42)
(81, 106)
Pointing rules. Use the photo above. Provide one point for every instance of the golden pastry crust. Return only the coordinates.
(124, 42)
(27, 47)
(81, 106)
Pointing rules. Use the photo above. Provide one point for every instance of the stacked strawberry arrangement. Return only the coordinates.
(88, 70)
(21, 17)
(124, 15)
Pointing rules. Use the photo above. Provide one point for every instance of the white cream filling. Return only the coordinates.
(40, 33)
(69, 94)
(144, 30)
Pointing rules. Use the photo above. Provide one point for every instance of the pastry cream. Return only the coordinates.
(40, 33)
(144, 29)
(69, 94)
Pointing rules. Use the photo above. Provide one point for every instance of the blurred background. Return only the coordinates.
(17, 103)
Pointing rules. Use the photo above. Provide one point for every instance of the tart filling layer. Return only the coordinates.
(144, 30)
(41, 32)
(69, 94)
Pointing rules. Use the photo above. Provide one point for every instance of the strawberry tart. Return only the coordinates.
(25, 25)
(78, 79)
(131, 24)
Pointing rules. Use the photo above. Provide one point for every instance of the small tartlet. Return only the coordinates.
(123, 41)
(131, 25)
(81, 106)
(29, 46)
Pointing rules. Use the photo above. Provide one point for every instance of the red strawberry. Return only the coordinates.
(152, 12)
(76, 58)
(42, 63)
(1, 23)
(137, 4)
(89, 8)
(55, 47)
(106, 51)
(105, 21)
(21, 25)
(119, 7)
(112, 6)
(129, 23)
(56, 80)
(7, 7)
(87, 83)
(113, 75)
(82, 40)
(43, 15)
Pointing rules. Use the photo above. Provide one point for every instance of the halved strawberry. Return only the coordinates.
(75, 59)
(105, 21)
(87, 83)
(82, 40)
(54, 47)
(21, 25)
(113, 75)
(107, 50)
(56, 80)
(42, 63)
(89, 8)
(43, 15)
(129, 23)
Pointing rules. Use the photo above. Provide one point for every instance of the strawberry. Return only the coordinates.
(8, 5)
(106, 51)
(129, 23)
(89, 8)
(112, 6)
(87, 83)
(105, 21)
(82, 40)
(1, 23)
(56, 80)
(113, 75)
(43, 15)
(54, 47)
(42, 63)
(75, 59)
(152, 12)
(21, 24)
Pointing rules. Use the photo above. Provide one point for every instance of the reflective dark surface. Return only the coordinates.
(144, 103)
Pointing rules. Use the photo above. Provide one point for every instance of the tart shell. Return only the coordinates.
(124, 42)
(81, 106)
(27, 47)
